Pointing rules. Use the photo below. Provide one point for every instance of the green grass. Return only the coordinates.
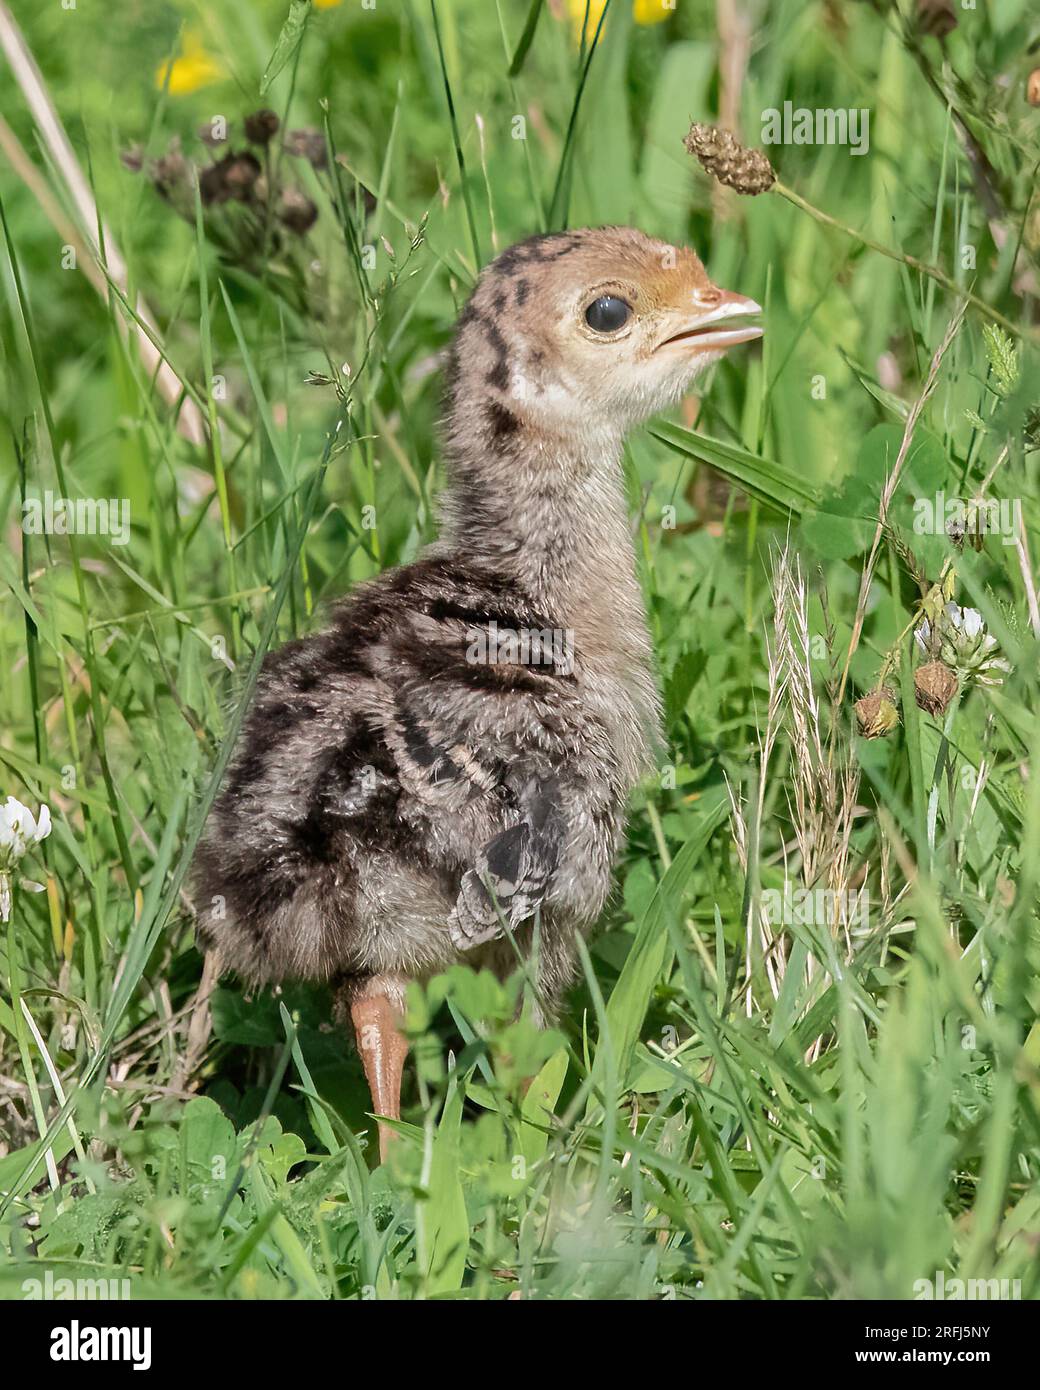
(822, 1116)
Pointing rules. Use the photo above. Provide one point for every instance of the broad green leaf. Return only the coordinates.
(539, 1105)
(770, 482)
(445, 1221)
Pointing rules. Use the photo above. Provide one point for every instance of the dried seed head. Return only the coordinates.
(936, 17)
(132, 158)
(296, 211)
(726, 159)
(213, 188)
(935, 685)
(307, 143)
(876, 714)
(241, 174)
(234, 176)
(1033, 87)
(260, 126)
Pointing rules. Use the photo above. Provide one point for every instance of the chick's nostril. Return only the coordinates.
(708, 298)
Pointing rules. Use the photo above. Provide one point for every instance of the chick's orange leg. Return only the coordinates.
(376, 1014)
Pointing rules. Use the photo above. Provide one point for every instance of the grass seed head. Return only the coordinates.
(723, 156)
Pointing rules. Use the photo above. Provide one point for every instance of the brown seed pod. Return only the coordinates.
(1033, 87)
(876, 714)
(935, 685)
(296, 211)
(723, 156)
(260, 126)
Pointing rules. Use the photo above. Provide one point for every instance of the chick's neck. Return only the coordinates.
(549, 513)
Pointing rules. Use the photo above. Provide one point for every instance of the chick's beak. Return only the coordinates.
(715, 322)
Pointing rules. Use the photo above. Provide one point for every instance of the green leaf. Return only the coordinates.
(685, 674)
(834, 536)
(539, 1106)
(205, 1134)
(770, 482)
(526, 38)
(281, 1156)
(288, 41)
(870, 384)
(652, 951)
(445, 1223)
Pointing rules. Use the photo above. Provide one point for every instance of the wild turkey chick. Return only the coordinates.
(447, 764)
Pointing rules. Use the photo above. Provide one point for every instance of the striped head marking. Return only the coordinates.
(592, 330)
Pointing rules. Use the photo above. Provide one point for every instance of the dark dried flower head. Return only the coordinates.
(234, 176)
(213, 187)
(307, 143)
(296, 211)
(132, 158)
(936, 17)
(726, 159)
(260, 126)
(876, 714)
(935, 685)
(243, 170)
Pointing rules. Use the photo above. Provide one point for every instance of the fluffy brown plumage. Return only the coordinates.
(411, 781)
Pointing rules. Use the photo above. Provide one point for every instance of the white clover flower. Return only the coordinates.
(19, 830)
(961, 641)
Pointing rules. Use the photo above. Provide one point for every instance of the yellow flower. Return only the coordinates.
(194, 68)
(326, 4)
(652, 11)
(643, 12)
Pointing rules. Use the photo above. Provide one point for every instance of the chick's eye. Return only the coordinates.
(607, 314)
